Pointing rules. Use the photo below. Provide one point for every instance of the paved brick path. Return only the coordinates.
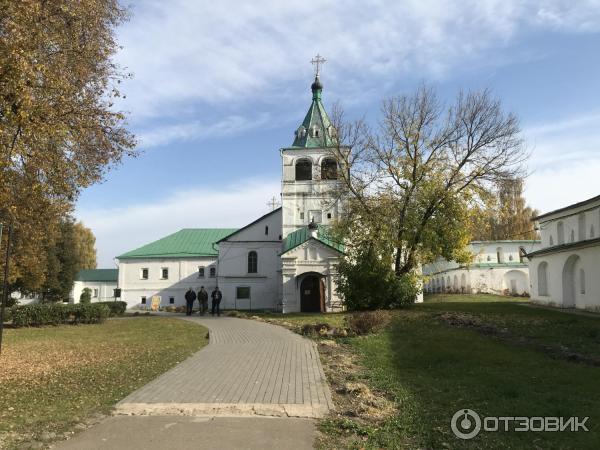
(249, 368)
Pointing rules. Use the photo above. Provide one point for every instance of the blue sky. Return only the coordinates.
(219, 87)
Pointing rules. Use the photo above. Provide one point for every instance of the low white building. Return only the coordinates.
(101, 282)
(497, 267)
(565, 272)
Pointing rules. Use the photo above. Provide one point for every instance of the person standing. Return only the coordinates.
(216, 301)
(190, 296)
(203, 300)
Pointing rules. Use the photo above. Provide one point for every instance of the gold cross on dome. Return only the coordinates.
(317, 61)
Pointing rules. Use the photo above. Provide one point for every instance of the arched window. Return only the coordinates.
(522, 254)
(543, 278)
(266, 230)
(560, 232)
(303, 170)
(252, 262)
(329, 169)
(500, 255)
(582, 281)
(581, 227)
(572, 236)
(551, 241)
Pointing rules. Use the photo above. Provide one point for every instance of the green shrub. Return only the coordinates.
(86, 296)
(57, 313)
(366, 322)
(116, 308)
(369, 283)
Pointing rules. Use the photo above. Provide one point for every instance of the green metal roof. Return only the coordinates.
(97, 275)
(316, 119)
(188, 242)
(302, 235)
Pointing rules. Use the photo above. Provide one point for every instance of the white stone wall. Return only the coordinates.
(105, 290)
(567, 274)
(233, 273)
(565, 285)
(183, 274)
(498, 280)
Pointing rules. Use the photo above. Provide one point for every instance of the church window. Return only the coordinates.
(522, 254)
(316, 216)
(266, 230)
(164, 273)
(304, 170)
(252, 262)
(144, 273)
(171, 300)
(543, 278)
(560, 232)
(581, 227)
(280, 237)
(95, 295)
(499, 255)
(582, 280)
(489, 258)
(551, 241)
(200, 272)
(572, 235)
(213, 272)
(316, 132)
(329, 169)
(143, 300)
(242, 292)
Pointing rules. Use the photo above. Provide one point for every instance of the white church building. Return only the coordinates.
(497, 267)
(565, 272)
(284, 260)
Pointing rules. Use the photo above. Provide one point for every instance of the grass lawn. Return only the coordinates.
(496, 357)
(54, 378)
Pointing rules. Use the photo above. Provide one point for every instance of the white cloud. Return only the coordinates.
(565, 161)
(196, 130)
(120, 229)
(230, 52)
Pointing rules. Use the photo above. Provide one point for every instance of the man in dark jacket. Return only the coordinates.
(203, 300)
(216, 301)
(190, 296)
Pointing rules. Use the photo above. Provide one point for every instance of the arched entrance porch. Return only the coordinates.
(312, 292)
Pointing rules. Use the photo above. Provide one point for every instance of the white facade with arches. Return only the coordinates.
(566, 270)
(497, 267)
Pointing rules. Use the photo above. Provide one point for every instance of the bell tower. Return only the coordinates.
(309, 183)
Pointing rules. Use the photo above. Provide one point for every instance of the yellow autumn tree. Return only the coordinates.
(59, 129)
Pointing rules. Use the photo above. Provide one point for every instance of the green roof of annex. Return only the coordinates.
(186, 243)
(302, 235)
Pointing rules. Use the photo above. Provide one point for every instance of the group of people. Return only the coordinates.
(190, 298)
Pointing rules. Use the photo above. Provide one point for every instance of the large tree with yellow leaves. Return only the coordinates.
(59, 129)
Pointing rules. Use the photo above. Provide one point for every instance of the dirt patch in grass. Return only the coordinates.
(483, 326)
(358, 408)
